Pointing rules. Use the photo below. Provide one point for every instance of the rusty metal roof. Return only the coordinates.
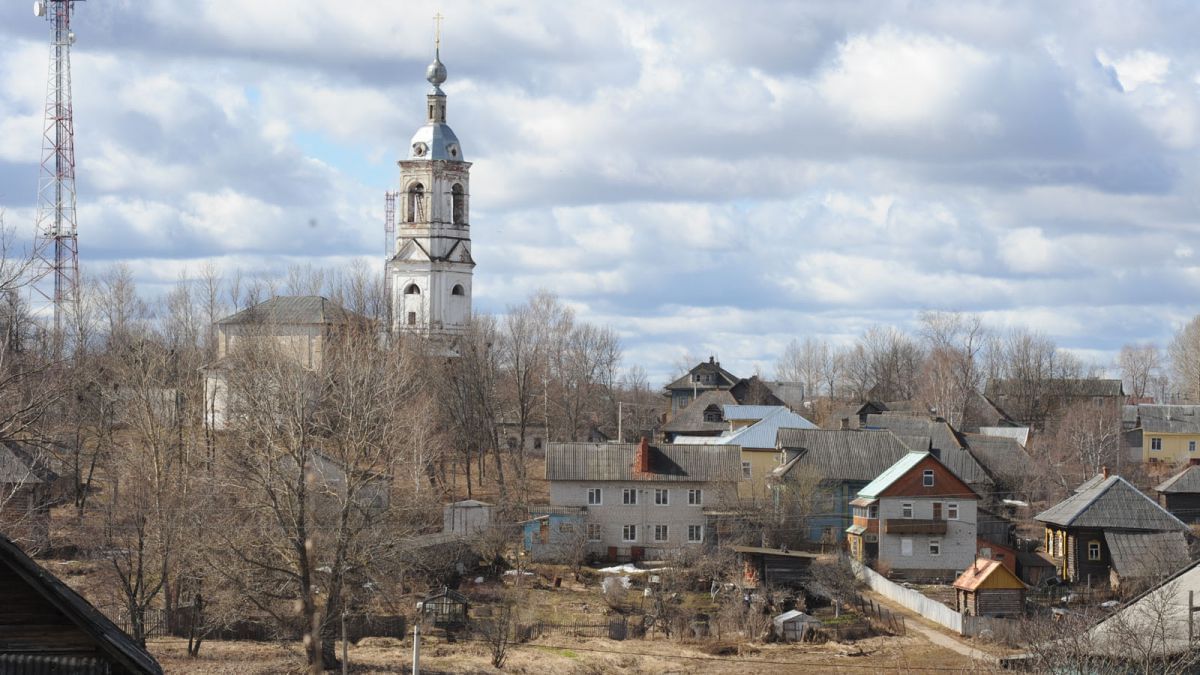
(668, 462)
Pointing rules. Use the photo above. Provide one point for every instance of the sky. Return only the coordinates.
(705, 177)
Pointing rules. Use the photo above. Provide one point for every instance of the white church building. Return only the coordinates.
(430, 266)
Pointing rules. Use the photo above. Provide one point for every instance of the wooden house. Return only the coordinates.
(1109, 530)
(26, 493)
(1180, 494)
(988, 588)
(45, 627)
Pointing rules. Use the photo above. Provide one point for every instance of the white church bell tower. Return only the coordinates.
(430, 265)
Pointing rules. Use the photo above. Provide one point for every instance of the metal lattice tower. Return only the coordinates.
(56, 248)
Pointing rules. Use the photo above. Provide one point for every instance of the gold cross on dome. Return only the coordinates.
(437, 30)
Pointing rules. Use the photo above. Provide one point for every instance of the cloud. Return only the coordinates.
(706, 177)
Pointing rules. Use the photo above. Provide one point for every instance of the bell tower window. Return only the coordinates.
(412, 289)
(416, 204)
(458, 290)
(459, 200)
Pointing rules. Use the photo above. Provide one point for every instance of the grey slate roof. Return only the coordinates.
(1152, 425)
(1111, 503)
(1147, 554)
(668, 462)
(1001, 456)
(1186, 481)
(844, 454)
(293, 309)
(951, 450)
(691, 418)
(111, 641)
(18, 464)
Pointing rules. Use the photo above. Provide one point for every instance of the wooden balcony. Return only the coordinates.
(914, 526)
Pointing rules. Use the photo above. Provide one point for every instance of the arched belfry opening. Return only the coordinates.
(416, 204)
(412, 289)
(458, 199)
(458, 290)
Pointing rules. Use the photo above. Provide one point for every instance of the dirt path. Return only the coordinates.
(936, 635)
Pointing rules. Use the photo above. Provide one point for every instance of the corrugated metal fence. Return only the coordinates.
(932, 609)
(927, 607)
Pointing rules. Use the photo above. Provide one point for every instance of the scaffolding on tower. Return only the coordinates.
(56, 247)
(389, 245)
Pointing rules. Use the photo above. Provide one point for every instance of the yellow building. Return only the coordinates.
(1170, 433)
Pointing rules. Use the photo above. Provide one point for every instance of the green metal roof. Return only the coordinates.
(892, 474)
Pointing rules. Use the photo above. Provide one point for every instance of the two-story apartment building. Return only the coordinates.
(917, 519)
(642, 500)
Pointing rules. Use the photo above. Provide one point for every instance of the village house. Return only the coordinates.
(704, 377)
(643, 500)
(46, 627)
(753, 428)
(704, 416)
(852, 416)
(1108, 531)
(1180, 494)
(302, 326)
(924, 518)
(1169, 433)
(989, 588)
(1040, 403)
(26, 494)
(840, 463)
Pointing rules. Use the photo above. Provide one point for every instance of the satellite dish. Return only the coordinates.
(39, 8)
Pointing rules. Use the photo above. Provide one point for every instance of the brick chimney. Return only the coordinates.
(1104, 470)
(641, 462)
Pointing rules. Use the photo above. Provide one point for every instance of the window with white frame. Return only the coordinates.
(661, 497)
(906, 547)
(935, 547)
(1191, 446)
(629, 496)
(746, 471)
(595, 497)
(660, 533)
(927, 478)
(1093, 550)
(629, 533)
(951, 510)
(595, 531)
(873, 511)
(906, 510)
(695, 497)
(1156, 444)
(695, 534)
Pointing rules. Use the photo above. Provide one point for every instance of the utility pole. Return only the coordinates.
(56, 247)
(416, 669)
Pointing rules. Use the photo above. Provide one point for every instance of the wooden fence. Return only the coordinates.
(882, 615)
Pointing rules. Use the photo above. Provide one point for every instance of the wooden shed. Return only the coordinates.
(988, 588)
(45, 627)
(773, 566)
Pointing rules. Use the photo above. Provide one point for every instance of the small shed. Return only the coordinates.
(774, 566)
(988, 588)
(1035, 567)
(467, 517)
(794, 626)
(46, 627)
(446, 608)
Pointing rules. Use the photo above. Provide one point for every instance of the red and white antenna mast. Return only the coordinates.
(56, 248)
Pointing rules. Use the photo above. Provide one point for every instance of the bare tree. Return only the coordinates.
(1140, 365)
(1184, 352)
(951, 375)
(808, 361)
